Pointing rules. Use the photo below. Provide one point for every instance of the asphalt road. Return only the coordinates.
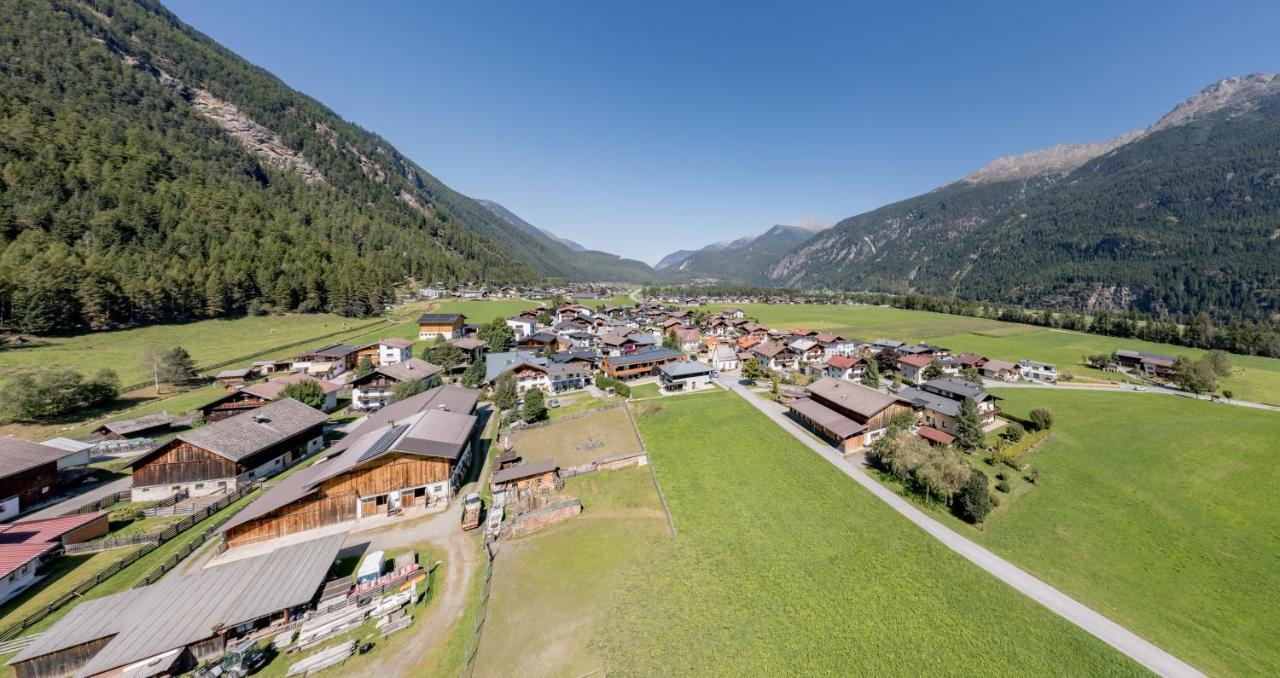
(1140, 650)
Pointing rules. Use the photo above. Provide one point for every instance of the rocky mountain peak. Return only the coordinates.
(1238, 92)
(1059, 159)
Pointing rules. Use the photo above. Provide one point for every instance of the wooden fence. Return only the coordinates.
(105, 502)
(482, 613)
(169, 533)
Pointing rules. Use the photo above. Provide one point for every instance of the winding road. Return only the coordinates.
(1140, 650)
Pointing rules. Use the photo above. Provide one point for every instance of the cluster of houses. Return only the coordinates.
(573, 291)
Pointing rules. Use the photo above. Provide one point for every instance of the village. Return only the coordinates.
(471, 435)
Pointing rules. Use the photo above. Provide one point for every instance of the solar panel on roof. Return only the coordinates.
(384, 443)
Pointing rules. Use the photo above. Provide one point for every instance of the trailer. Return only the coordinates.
(472, 507)
(370, 568)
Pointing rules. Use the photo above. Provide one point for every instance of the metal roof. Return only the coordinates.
(644, 356)
(18, 455)
(839, 425)
(863, 401)
(685, 368)
(527, 470)
(178, 611)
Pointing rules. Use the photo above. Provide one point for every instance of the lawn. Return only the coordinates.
(649, 390)
(551, 589)
(575, 442)
(1161, 513)
(208, 342)
(1255, 378)
(65, 574)
(783, 565)
(580, 403)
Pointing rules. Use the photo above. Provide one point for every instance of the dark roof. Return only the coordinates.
(958, 388)
(930, 401)
(250, 432)
(18, 455)
(839, 425)
(144, 423)
(526, 470)
(333, 351)
(178, 611)
(440, 318)
(685, 368)
(644, 356)
(413, 369)
(934, 435)
(270, 390)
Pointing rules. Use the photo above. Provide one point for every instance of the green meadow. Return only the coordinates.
(783, 565)
(1160, 512)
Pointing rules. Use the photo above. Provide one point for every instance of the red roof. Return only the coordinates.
(24, 541)
(841, 362)
(916, 360)
(934, 435)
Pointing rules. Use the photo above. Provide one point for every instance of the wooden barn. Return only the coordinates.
(170, 627)
(411, 453)
(849, 414)
(138, 427)
(217, 457)
(443, 325)
(28, 475)
(642, 363)
(539, 476)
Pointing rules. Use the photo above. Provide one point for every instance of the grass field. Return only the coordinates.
(551, 588)
(785, 566)
(576, 441)
(1161, 513)
(649, 390)
(1255, 378)
(580, 403)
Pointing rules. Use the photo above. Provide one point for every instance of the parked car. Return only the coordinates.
(554, 402)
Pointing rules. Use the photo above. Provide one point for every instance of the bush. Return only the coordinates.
(975, 499)
(535, 406)
(995, 500)
(1042, 418)
(308, 392)
(1002, 476)
(1003, 486)
(1033, 476)
(606, 382)
(53, 392)
(1013, 432)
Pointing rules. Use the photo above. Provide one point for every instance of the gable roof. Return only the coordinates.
(862, 400)
(407, 370)
(178, 611)
(771, 349)
(841, 362)
(839, 425)
(126, 426)
(395, 342)
(26, 540)
(18, 455)
(449, 398)
(270, 390)
(526, 470)
(250, 432)
(332, 351)
(440, 318)
(916, 360)
(685, 368)
(959, 388)
(644, 356)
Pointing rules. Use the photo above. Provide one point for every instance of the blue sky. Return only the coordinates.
(640, 128)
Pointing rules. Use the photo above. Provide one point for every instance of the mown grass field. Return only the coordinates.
(1160, 512)
(575, 442)
(783, 565)
(551, 589)
(1255, 378)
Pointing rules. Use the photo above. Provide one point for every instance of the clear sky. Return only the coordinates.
(644, 127)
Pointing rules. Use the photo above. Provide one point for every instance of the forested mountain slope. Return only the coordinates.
(1181, 217)
(148, 174)
(745, 260)
(561, 257)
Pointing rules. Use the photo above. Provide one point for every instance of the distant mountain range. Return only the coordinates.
(515, 220)
(745, 260)
(1183, 216)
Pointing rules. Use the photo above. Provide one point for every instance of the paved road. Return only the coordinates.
(69, 505)
(1113, 634)
(1159, 390)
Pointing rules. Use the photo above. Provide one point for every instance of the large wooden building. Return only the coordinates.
(850, 415)
(443, 325)
(407, 455)
(217, 457)
(28, 475)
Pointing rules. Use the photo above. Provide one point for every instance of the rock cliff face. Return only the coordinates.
(262, 141)
(1141, 220)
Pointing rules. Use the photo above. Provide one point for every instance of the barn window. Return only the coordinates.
(380, 500)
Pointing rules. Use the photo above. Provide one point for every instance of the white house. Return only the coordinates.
(522, 327)
(725, 359)
(684, 375)
(1037, 371)
(394, 350)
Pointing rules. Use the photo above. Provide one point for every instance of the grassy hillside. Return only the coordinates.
(783, 565)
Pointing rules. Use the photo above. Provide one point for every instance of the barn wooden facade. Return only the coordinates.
(28, 474)
(242, 448)
(232, 404)
(849, 414)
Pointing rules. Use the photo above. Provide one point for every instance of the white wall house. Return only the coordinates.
(1038, 371)
(522, 327)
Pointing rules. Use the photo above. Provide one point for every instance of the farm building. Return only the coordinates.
(538, 476)
(375, 388)
(849, 414)
(407, 455)
(170, 627)
(28, 545)
(999, 370)
(138, 427)
(221, 455)
(1151, 364)
(939, 402)
(443, 325)
(28, 474)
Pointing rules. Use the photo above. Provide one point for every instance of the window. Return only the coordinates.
(199, 486)
(44, 490)
(380, 500)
